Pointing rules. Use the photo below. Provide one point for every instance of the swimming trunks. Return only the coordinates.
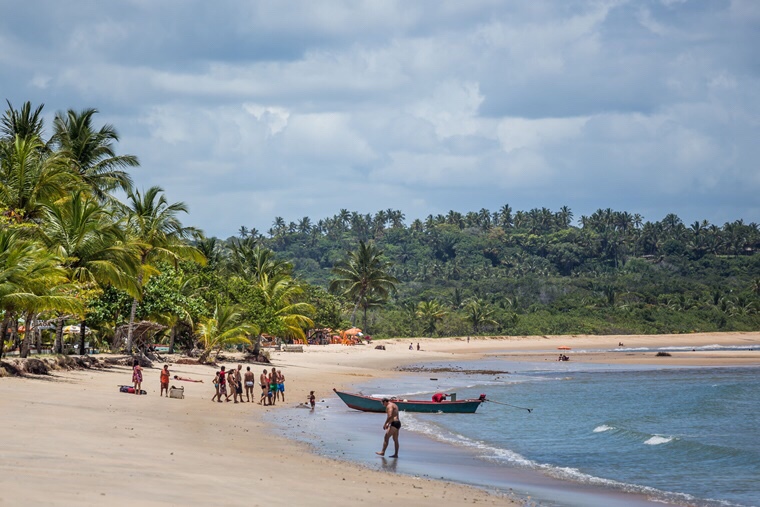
(248, 383)
(281, 387)
(239, 389)
(396, 424)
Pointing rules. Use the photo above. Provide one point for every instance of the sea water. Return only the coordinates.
(686, 436)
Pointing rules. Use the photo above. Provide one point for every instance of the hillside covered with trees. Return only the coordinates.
(78, 265)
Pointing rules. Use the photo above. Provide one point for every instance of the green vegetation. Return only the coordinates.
(72, 253)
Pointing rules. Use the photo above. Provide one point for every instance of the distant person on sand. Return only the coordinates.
(439, 397)
(264, 383)
(217, 395)
(272, 386)
(238, 384)
(468, 339)
(137, 376)
(249, 385)
(223, 385)
(165, 380)
(418, 345)
(312, 399)
(186, 379)
(392, 426)
(410, 346)
(281, 384)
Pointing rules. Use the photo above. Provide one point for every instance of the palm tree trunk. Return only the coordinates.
(131, 328)
(172, 334)
(4, 335)
(132, 313)
(58, 347)
(24, 346)
(82, 329)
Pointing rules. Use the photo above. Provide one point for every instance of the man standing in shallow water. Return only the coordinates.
(392, 426)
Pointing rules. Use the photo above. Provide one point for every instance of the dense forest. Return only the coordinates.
(80, 266)
(534, 272)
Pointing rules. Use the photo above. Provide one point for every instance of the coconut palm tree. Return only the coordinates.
(479, 314)
(223, 329)
(361, 273)
(430, 312)
(92, 245)
(29, 176)
(24, 123)
(281, 297)
(91, 152)
(31, 281)
(158, 235)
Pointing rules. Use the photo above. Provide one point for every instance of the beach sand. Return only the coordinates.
(72, 439)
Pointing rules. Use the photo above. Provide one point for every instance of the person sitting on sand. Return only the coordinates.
(186, 379)
(439, 397)
(165, 380)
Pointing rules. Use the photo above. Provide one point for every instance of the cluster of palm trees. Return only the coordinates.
(64, 236)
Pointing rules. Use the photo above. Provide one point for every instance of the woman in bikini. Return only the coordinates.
(137, 376)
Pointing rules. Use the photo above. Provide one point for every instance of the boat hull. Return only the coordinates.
(369, 404)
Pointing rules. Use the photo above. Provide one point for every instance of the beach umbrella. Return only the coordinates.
(564, 347)
(353, 331)
(75, 330)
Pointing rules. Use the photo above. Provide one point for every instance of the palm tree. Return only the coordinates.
(479, 314)
(224, 328)
(158, 235)
(251, 261)
(91, 152)
(24, 123)
(31, 279)
(29, 176)
(92, 246)
(281, 295)
(361, 273)
(430, 312)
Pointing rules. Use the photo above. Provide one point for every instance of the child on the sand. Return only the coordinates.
(312, 399)
(165, 380)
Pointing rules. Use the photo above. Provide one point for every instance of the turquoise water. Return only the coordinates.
(685, 436)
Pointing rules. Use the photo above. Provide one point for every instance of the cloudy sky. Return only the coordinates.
(248, 110)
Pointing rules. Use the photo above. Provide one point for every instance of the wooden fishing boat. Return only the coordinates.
(370, 404)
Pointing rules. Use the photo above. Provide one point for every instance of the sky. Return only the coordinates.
(250, 110)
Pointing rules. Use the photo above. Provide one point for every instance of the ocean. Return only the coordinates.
(596, 434)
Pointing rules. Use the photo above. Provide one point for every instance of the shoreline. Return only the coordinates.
(82, 431)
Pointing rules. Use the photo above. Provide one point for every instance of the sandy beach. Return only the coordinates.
(72, 439)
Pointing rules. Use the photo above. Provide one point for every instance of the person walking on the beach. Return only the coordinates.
(418, 345)
(273, 386)
(312, 400)
(165, 380)
(249, 385)
(281, 384)
(264, 383)
(392, 426)
(223, 385)
(238, 385)
(218, 394)
(137, 376)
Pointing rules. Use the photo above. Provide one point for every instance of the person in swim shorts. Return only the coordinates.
(281, 385)
(392, 427)
(249, 385)
(264, 384)
(273, 387)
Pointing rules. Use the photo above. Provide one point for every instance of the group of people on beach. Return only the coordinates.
(272, 385)
(164, 377)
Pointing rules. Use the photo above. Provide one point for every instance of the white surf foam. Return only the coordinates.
(658, 440)
(602, 428)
